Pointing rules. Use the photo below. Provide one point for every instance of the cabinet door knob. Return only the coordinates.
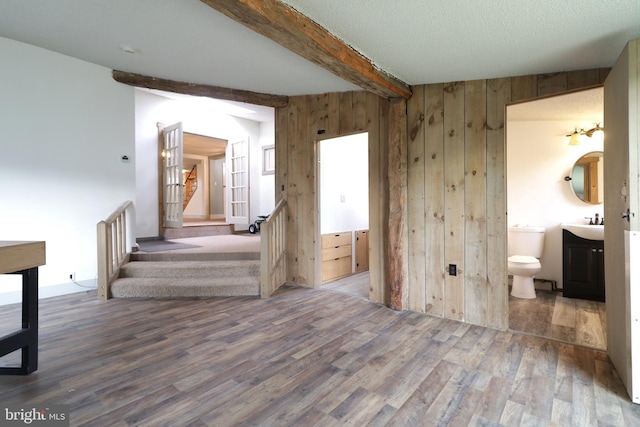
(593, 250)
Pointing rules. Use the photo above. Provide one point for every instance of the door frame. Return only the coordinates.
(317, 233)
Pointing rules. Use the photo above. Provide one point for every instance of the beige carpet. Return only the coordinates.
(221, 243)
(206, 266)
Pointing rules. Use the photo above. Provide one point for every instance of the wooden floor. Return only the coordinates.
(302, 358)
(549, 315)
(356, 285)
(553, 316)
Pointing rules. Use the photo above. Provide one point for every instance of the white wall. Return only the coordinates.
(267, 182)
(538, 159)
(344, 183)
(200, 117)
(65, 125)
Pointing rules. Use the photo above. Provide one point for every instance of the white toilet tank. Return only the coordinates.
(526, 240)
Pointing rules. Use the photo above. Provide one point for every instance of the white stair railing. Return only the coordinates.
(273, 256)
(112, 248)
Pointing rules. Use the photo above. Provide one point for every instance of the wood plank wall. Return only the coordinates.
(312, 118)
(451, 158)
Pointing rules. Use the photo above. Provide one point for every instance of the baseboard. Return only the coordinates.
(49, 291)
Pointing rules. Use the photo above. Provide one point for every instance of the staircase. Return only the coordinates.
(190, 186)
(158, 275)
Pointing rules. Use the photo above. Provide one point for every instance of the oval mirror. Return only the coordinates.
(587, 178)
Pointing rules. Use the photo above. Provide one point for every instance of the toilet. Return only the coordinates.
(525, 244)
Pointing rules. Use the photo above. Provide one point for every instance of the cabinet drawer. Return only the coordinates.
(335, 268)
(336, 252)
(336, 239)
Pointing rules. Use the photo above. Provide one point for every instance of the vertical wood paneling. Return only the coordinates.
(583, 78)
(498, 95)
(445, 217)
(307, 187)
(333, 114)
(378, 200)
(345, 119)
(454, 198)
(416, 208)
(281, 128)
(524, 87)
(397, 173)
(297, 128)
(434, 200)
(297, 136)
(359, 111)
(549, 84)
(475, 201)
(318, 110)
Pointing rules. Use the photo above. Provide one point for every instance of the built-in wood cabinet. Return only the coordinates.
(362, 250)
(583, 267)
(338, 251)
(336, 255)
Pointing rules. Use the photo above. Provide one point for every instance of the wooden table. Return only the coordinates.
(23, 258)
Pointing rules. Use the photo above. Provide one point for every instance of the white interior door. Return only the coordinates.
(173, 187)
(237, 169)
(621, 202)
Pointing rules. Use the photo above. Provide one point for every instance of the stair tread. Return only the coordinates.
(189, 281)
(194, 264)
(167, 287)
(189, 275)
(195, 256)
(190, 269)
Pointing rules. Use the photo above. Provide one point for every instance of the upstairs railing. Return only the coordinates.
(112, 248)
(273, 257)
(190, 186)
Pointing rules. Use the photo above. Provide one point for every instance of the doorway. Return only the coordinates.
(343, 200)
(538, 159)
(206, 154)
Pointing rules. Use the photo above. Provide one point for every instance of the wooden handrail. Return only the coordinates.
(190, 186)
(191, 172)
(273, 257)
(112, 248)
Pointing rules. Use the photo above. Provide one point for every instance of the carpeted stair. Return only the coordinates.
(189, 275)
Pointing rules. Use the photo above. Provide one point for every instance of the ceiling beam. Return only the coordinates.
(289, 28)
(216, 92)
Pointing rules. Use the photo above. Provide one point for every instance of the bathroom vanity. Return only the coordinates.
(583, 264)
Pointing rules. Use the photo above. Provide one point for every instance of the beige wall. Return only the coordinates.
(444, 162)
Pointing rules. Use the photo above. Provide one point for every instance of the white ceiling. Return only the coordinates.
(584, 108)
(418, 41)
(434, 41)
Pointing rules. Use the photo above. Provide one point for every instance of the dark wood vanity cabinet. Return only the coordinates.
(583, 267)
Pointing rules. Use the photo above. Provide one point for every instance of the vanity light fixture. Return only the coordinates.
(576, 137)
(596, 133)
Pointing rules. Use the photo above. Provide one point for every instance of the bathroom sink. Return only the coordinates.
(591, 232)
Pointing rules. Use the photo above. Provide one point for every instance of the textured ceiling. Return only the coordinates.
(584, 107)
(431, 41)
(418, 41)
(182, 40)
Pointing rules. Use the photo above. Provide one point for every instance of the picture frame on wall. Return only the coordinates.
(268, 160)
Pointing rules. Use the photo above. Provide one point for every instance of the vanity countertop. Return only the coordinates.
(586, 231)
